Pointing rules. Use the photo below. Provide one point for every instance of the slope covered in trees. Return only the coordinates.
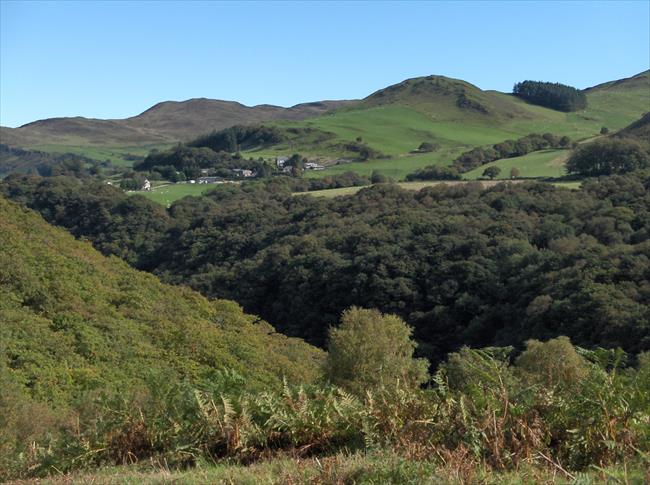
(460, 264)
(75, 322)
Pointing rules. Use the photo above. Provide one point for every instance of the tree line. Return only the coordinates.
(551, 95)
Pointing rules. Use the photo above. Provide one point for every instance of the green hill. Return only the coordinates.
(73, 321)
(639, 130)
(456, 116)
(450, 113)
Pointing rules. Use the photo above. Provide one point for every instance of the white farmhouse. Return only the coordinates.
(146, 185)
(242, 172)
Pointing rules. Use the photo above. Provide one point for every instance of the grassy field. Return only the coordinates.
(543, 163)
(166, 194)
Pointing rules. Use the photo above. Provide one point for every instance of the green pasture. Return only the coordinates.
(166, 194)
(543, 163)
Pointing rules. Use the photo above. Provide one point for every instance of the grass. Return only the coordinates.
(359, 468)
(543, 163)
(396, 130)
(166, 194)
(395, 167)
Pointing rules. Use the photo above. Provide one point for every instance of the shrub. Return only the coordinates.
(369, 349)
(428, 147)
(554, 363)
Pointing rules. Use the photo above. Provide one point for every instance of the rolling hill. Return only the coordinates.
(166, 122)
(450, 113)
(456, 116)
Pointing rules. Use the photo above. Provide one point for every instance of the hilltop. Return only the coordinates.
(443, 98)
(165, 122)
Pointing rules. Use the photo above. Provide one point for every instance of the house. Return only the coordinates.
(209, 180)
(146, 185)
(242, 172)
(280, 161)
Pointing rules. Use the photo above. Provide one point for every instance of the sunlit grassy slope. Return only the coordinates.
(396, 120)
(166, 194)
(544, 163)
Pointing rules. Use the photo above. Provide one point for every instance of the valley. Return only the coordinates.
(420, 279)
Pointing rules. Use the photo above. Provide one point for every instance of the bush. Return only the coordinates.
(369, 350)
(428, 147)
(378, 178)
(554, 363)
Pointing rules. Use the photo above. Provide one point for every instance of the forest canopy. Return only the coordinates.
(460, 264)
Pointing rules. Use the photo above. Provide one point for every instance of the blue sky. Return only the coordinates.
(116, 59)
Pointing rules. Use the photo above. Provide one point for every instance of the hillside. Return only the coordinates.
(443, 98)
(456, 116)
(392, 122)
(165, 122)
(639, 130)
(74, 321)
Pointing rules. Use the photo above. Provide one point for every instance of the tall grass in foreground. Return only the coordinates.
(555, 407)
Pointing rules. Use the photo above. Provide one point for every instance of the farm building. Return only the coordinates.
(242, 172)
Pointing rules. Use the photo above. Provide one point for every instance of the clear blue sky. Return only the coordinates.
(113, 60)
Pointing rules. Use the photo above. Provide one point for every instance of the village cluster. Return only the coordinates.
(207, 178)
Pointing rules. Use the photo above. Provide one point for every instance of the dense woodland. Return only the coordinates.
(19, 160)
(608, 157)
(102, 365)
(551, 95)
(460, 264)
(470, 333)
